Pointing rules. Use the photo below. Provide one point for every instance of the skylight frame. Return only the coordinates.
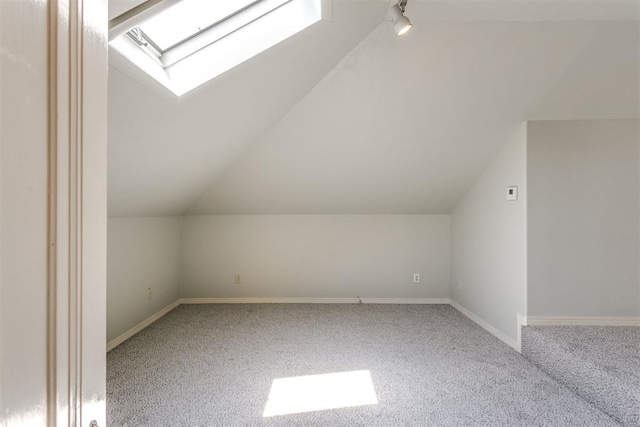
(247, 4)
(211, 34)
(215, 49)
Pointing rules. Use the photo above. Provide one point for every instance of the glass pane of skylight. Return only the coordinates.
(223, 43)
(187, 18)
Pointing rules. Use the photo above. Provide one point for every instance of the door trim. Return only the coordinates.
(77, 70)
(64, 277)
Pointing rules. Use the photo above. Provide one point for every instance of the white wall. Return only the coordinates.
(583, 218)
(341, 151)
(316, 256)
(217, 122)
(488, 241)
(142, 253)
(23, 213)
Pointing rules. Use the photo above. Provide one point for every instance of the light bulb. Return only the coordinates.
(402, 23)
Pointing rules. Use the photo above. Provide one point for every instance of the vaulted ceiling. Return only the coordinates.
(345, 117)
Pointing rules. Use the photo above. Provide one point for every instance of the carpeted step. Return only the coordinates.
(599, 363)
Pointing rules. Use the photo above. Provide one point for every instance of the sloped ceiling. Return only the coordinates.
(399, 125)
(164, 151)
(118, 7)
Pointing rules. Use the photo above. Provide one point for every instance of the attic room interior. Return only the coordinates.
(320, 212)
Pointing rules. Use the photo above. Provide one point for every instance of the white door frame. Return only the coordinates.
(76, 267)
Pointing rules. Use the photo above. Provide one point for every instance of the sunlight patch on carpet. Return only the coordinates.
(320, 392)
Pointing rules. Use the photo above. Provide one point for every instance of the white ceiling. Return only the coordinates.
(118, 7)
(164, 152)
(324, 124)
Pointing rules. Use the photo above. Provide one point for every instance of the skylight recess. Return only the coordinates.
(188, 42)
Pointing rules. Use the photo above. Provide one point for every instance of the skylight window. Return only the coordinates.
(188, 18)
(184, 43)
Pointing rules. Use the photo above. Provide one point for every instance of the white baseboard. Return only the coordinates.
(405, 300)
(521, 320)
(582, 321)
(348, 300)
(486, 326)
(353, 300)
(140, 326)
(268, 300)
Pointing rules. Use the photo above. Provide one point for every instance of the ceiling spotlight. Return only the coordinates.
(402, 23)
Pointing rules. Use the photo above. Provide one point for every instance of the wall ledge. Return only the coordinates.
(582, 321)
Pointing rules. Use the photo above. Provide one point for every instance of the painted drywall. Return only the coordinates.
(583, 218)
(23, 212)
(152, 175)
(260, 139)
(316, 256)
(344, 149)
(142, 253)
(488, 241)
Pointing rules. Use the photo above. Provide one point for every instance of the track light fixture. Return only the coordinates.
(402, 23)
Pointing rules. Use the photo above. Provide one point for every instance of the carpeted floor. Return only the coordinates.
(600, 363)
(215, 364)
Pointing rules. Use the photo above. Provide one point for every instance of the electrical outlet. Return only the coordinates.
(236, 280)
(416, 277)
(149, 294)
(512, 193)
